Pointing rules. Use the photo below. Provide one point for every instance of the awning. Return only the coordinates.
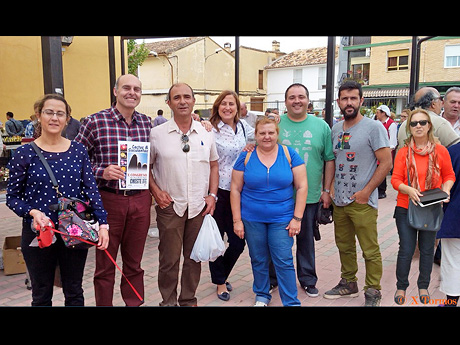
(384, 92)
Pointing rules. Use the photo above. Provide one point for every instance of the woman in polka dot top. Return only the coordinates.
(30, 192)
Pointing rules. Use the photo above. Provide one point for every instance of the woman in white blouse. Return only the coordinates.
(232, 136)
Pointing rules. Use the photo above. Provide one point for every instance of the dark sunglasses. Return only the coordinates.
(415, 123)
(185, 145)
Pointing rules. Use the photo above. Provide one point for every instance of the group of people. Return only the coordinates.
(263, 184)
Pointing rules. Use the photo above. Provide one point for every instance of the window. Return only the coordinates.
(398, 60)
(452, 56)
(322, 78)
(361, 73)
(297, 76)
(261, 79)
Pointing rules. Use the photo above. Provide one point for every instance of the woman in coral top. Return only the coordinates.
(429, 167)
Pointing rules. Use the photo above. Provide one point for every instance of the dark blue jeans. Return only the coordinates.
(408, 237)
(305, 254)
(41, 264)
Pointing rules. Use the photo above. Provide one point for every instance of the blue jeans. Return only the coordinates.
(267, 240)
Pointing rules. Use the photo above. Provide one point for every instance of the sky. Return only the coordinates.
(287, 43)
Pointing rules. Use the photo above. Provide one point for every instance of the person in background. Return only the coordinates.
(383, 114)
(128, 210)
(264, 210)
(428, 98)
(71, 130)
(184, 183)
(358, 143)
(12, 126)
(30, 192)
(232, 136)
(159, 119)
(452, 108)
(429, 166)
(30, 128)
(248, 116)
(403, 117)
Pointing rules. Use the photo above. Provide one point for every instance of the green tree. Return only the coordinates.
(136, 56)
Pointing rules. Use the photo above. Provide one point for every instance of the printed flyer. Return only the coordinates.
(134, 159)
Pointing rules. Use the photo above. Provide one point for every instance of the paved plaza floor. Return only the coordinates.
(13, 290)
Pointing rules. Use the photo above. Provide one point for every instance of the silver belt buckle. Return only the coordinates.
(124, 192)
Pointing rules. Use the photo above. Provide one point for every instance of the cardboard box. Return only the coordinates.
(13, 261)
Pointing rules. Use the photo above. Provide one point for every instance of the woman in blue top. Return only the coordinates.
(30, 192)
(265, 212)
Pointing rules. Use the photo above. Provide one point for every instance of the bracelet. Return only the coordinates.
(297, 218)
(236, 221)
(214, 196)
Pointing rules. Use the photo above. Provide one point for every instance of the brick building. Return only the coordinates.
(382, 65)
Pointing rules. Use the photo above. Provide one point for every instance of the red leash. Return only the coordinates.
(108, 254)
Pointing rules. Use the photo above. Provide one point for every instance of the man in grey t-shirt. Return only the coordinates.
(358, 143)
(356, 162)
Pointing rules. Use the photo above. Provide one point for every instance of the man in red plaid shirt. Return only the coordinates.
(128, 210)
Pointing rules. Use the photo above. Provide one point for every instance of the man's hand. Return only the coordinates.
(113, 172)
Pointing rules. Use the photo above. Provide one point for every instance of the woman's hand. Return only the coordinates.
(39, 219)
(414, 194)
(294, 227)
(238, 228)
(103, 237)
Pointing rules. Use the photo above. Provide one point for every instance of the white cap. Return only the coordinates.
(385, 109)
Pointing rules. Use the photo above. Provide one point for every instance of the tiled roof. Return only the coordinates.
(170, 46)
(302, 57)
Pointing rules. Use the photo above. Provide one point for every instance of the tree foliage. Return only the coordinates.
(136, 56)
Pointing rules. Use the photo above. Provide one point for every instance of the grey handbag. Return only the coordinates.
(424, 218)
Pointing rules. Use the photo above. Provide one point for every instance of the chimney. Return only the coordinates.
(276, 46)
(228, 47)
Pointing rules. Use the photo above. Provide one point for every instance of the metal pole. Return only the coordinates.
(330, 79)
(415, 64)
(237, 64)
(53, 79)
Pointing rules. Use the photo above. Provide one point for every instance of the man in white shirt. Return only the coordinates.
(452, 108)
(184, 184)
(383, 114)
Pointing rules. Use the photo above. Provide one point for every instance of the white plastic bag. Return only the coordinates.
(209, 244)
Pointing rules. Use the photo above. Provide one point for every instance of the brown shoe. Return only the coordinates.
(343, 289)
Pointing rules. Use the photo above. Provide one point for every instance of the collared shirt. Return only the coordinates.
(185, 176)
(100, 133)
(229, 146)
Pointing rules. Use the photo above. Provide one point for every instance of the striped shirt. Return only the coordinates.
(100, 133)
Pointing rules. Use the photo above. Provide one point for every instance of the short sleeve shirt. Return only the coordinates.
(311, 139)
(267, 194)
(355, 160)
(184, 175)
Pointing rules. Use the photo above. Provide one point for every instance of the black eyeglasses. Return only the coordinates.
(185, 145)
(415, 123)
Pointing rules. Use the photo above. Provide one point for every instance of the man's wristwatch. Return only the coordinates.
(214, 196)
(326, 190)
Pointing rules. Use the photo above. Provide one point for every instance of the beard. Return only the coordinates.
(349, 116)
